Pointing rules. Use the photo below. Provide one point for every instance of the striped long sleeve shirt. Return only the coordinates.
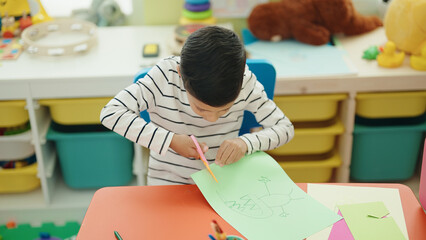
(162, 93)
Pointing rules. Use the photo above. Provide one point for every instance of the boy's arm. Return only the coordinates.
(277, 128)
(121, 115)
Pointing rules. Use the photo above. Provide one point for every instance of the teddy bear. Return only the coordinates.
(405, 25)
(308, 21)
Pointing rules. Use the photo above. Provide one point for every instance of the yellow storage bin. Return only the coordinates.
(13, 113)
(312, 171)
(391, 104)
(22, 179)
(309, 140)
(76, 111)
(304, 108)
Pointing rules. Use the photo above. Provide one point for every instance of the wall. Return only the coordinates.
(154, 12)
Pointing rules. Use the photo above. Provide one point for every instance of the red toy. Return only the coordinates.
(308, 21)
(25, 21)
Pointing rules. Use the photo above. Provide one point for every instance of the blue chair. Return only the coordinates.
(265, 73)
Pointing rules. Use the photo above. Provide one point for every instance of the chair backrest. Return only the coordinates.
(422, 188)
(265, 73)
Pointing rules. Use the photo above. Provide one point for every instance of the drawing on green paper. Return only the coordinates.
(260, 205)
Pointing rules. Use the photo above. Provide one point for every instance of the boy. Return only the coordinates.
(202, 93)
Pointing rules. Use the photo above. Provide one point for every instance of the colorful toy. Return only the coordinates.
(46, 236)
(181, 34)
(405, 25)
(11, 224)
(308, 21)
(419, 62)
(197, 11)
(15, 8)
(371, 53)
(25, 21)
(10, 48)
(390, 58)
(8, 26)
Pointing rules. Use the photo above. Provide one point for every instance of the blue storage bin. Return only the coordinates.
(93, 159)
(385, 153)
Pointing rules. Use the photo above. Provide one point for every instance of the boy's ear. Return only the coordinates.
(178, 70)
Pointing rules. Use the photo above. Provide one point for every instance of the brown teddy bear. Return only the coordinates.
(308, 21)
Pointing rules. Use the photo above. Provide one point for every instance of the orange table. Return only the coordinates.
(181, 212)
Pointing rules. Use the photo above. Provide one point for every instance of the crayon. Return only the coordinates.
(117, 235)
(220, 235)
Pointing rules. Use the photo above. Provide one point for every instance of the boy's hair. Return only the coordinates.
(212, 65)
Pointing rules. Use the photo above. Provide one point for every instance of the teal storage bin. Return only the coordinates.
(93, 159)
(385, 153)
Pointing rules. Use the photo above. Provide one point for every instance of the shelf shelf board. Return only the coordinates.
(29, 200)
(21, 137)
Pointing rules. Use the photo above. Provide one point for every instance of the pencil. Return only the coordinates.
(203, 158)
(117, 235)
(211, 237)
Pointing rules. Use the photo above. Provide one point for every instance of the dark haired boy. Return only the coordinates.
(204, 93)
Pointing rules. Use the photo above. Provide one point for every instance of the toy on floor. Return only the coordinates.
(46, 236)
(389, 58)
(308, 21)
(405, 24)
(197, 12)
(419, 62)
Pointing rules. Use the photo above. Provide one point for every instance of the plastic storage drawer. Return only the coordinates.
(387, 153)
(305, 108)
(93, 159)
(308, 140)
(310, 170)
(22, 179)
(13, 113)
(391, 104)
(75, 111)
(16, 147)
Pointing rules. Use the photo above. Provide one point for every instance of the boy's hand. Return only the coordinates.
(184, 145)
(230, 151)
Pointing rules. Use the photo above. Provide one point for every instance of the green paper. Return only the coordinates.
(368, 221)
(259, 200)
